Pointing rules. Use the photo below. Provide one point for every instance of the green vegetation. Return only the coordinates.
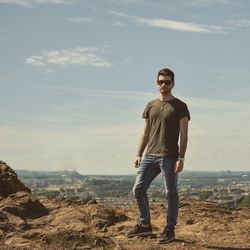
(110, 188)
(203, 195)
(245, 202)
(48, 194)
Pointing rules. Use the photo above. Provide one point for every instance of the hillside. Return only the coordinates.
(28, 223)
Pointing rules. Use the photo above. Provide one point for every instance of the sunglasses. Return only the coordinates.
(167, 82)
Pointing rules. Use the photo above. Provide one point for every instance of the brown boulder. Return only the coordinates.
(23, 205)
(9, 182)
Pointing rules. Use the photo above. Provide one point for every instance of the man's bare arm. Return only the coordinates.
(142, 143)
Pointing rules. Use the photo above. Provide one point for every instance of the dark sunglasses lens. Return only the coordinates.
(167, 82)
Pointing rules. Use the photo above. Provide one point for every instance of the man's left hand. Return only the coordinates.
(178, 167)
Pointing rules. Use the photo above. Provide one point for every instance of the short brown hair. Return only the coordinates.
(166, 72)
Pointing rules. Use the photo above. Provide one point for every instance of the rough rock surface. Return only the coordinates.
(23, 205)
(9, 183)
(95, 226)
(26, 223)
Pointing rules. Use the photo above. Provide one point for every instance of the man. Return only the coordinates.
(166, 119)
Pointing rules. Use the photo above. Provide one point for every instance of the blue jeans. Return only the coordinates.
(150, 167)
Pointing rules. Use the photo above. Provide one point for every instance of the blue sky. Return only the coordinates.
(75, 77)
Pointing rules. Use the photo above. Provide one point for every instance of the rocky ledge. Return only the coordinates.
(27, 223)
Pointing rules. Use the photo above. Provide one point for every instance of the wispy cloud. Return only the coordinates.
(119, 24)
(80, 19)
(222, 77)
(127, 1)
(181, 26)
(206, 3)
(113, 94)
(31, 3)
(148, 3)
(172, 24)
(242, 23)
(85, 56)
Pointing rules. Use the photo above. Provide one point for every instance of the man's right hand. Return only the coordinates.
(137, 161)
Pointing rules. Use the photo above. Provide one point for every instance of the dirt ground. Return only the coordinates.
(26, 223)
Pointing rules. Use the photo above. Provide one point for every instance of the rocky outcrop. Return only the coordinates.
(9, 182)
(23, 205)
(61, 226)
(27, 223)
(201, 225)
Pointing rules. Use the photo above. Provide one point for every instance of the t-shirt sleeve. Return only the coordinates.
(184, 112)
(145, 113)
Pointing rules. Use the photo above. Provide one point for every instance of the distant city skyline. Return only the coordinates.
(75, 77)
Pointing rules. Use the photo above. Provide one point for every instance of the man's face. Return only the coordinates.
(165, 84)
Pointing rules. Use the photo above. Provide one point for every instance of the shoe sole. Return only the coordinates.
(139, 234)
(166, 241)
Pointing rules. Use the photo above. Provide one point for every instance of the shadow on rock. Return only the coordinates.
(23, 205)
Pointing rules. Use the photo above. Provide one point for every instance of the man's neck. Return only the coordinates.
(166, 97)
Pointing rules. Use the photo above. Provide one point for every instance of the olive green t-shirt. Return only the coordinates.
(164, 117)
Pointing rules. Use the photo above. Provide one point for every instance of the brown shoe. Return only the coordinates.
(166, 236)
(139, 230)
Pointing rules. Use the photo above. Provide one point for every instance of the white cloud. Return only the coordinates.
(172, 24)
(78, 56)
(35, 60)
(80, 19)
(242, 23)
(206, 3)
(117, 13)
(119, 24)
(31, 3)
(181, 26)
(148, 3)
(113, 94)
(222, 77)
(127, 1)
